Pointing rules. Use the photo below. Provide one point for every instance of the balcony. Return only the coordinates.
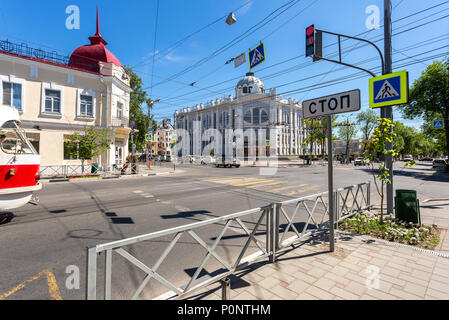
(120, 122)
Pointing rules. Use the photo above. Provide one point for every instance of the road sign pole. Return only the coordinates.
(330, 185)
(388, 111)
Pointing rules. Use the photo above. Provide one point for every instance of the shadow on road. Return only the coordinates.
(6, 217)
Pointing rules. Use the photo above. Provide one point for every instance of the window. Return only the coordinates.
(52, 101)
(13, 139)
(12, 94)
(245, 90)
(248, 117)
(256, 115)
(86, 106)
(119, 110)
(263, 116)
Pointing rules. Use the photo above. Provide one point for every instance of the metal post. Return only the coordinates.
(388, 111)
(91, 273)
(225, 289)
(330, 184)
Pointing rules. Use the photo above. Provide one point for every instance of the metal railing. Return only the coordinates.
(301, 217)
(64, 170)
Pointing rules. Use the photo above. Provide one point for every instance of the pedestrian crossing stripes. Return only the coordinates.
(266, 185)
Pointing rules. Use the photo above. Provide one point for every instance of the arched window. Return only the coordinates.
(248, 117)
(256, 116)
(263, 116)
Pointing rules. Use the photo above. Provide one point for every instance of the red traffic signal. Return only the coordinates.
(314, 43)
(310, 41)
(324, 130)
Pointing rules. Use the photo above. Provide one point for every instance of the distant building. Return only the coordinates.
(165, 133)
(57, 96)
(253, 107)
(355, 147)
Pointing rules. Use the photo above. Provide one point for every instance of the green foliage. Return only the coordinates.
(392, 230)
(88, 144)
(429, 97)
(139, 98)
(367, 120)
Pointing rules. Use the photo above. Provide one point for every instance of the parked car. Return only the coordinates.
(208, 160)
(426, 159)
(439, 163)
(408, 158)
(360, 162)
(227, 162)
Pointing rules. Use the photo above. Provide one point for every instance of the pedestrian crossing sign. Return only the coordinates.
(304, 146)
(149, 137)
(267, 143)
(256, 56)
(388, 90)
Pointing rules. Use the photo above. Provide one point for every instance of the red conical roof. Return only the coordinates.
(87, 57)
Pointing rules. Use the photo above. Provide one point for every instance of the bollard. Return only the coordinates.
(225, 289)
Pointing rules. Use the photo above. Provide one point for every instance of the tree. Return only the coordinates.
(138, 98)
(88, 144)
(383, 133)
(429, 96)
(346, 132)
(367, 120)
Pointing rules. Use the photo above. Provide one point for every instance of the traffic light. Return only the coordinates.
(314, 43)
(324, 130)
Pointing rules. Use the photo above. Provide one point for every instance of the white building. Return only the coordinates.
(57, 96)
(269, 115)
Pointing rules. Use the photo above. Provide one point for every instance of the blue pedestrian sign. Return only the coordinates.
(438, 124)
(256, 56)
(388, 90)
(149, 137)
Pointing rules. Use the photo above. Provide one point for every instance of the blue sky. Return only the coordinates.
(129, 27)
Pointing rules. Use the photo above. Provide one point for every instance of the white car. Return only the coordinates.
(408, 158)
(359, 162)
(208, 160)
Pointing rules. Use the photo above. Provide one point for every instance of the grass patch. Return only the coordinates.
(367, 223)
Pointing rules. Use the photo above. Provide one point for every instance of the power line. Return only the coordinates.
(154, 46)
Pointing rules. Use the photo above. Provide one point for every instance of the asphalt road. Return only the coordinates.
(42, 241)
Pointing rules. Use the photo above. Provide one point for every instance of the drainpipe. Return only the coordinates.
(107, 118)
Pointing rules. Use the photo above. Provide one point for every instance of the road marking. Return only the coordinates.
(138, 191)
(265, 184)
(149, 196)
(285, 188)
(300, 191)
(53, 288)
(251, 183)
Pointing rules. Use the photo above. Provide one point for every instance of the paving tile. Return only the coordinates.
(324, 283)
(440, 271)
(298, 286)
(284, 276)
(401, 266)
(265, 271)
(378, 262)
(316, 272)
(305, 296)
(245, 295)
(391, 271)
(284, 293)
(339, 270)
(351, 266)
(437, 294)
(367, 297)
(356, 288)
(403, 294)
(305, 277)
(319, 293)
(439, 278)
(337, 278)
(412, 279)
(332, 261)
(342, 293)
(440, 286)
(381, 295)
(415, 289)
(269, 283)
(393, 280)
(260, 292)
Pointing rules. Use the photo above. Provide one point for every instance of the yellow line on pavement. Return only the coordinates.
(230, 180)
(251, 183)
(287, 187)
(51, 281)
(300, 191)
(265, 184)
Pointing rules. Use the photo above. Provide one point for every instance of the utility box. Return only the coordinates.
(406, 205)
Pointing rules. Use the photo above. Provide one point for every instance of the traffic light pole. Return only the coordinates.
(387, 112)
(330, 185)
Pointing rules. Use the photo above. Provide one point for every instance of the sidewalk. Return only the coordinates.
(360, 268)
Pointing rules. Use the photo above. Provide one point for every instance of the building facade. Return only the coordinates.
(57, 96)
(271, 125)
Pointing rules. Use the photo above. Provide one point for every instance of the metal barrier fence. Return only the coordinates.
(270, 238)
(64, 170)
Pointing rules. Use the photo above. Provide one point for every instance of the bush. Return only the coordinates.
(392, 229)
